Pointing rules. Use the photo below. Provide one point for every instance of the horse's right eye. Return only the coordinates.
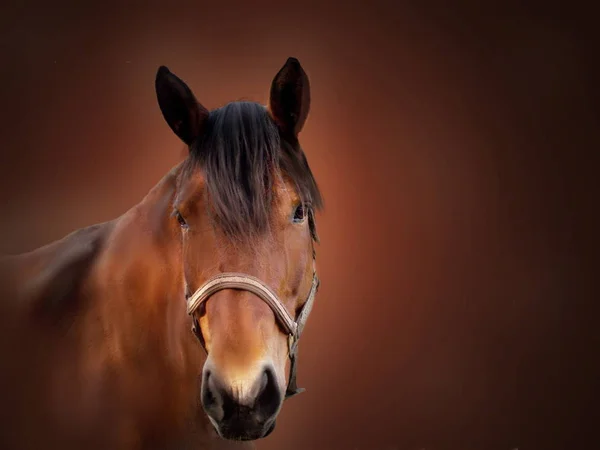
(180, 220)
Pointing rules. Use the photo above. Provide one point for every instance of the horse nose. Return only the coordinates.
(241, 405)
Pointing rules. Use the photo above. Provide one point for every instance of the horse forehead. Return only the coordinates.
(193, 182)
(190, 185)
(285, 190)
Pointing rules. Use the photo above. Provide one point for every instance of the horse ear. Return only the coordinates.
(290, 97)
(179, 107)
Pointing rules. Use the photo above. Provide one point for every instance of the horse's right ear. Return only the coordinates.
(181, 110)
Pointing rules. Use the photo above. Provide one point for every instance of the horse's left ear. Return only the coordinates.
(289, 102)
(181, 110)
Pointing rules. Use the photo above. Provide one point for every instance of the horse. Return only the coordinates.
(172, 326)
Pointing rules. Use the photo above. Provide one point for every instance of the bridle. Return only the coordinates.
(240, 281)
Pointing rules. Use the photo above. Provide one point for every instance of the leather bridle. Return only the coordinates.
(244, 282)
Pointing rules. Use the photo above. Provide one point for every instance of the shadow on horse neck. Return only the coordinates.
(171, 326)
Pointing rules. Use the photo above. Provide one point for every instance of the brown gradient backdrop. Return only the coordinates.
(451, 147)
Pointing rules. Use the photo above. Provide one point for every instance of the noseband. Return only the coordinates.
(244, 282)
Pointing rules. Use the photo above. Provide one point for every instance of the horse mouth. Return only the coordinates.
(237, 434)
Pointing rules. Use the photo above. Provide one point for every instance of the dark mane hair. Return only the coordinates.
(242, 153)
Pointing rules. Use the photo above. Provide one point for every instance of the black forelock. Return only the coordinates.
(242, 153)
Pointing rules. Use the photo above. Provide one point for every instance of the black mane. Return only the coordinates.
(242, 152)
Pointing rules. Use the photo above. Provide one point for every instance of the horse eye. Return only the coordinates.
(181, 220)
(299, 213)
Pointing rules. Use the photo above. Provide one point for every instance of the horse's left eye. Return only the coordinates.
(299, 213)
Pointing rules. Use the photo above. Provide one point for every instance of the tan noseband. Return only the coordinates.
(248, 283)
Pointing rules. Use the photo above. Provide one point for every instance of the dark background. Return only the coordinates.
(455, 145)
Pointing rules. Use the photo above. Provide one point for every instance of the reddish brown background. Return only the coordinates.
(452, 149)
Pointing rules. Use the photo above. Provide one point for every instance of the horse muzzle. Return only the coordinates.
(242, 411)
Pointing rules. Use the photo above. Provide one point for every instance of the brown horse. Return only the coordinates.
(171, 326)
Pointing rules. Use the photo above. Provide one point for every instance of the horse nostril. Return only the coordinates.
(210, 394)
(269, 397)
